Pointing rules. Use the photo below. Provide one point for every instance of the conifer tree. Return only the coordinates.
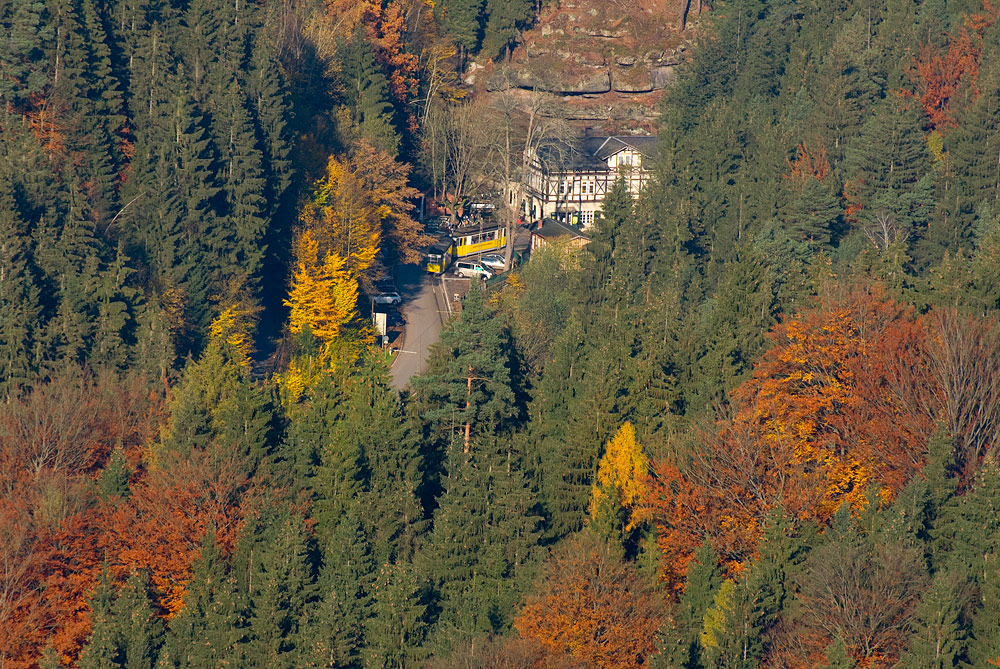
(245, 188)
(112, 484)
(275, 571)
(210, 626)
(103, 645)
(503, 18)
(847, 90)
(335, 634)
(19, 296)
(616, 505)
(680, 644)
(395, 632)
(976, 179)
(139, 629)
(461, 20)
(23, 52)
(368, 93)
(891, 168)
(938, 639)
(265, 92)
(484, 530)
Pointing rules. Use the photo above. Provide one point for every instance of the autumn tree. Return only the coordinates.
(617, 507)
(591, 608)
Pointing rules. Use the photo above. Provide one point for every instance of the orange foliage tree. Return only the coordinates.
(941, 77)
(838, 411)
(592, 608)
(53, 442)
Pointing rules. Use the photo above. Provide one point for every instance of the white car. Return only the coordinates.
(494, 261)
(472, 269)
(390, 298)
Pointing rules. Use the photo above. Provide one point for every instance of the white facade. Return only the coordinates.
(571, 186)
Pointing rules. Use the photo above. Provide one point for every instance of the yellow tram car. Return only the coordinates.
(467, 240)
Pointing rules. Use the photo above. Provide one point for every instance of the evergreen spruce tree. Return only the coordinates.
(368, 93)
(103, 647)
(276, 572)
(484, 531)
(20, 308)
(680, 643)
(112, 484)
(23, 51)
(139, 628)
(335, 634)
(976, 177)
(245, 188)
(73, 268)
(116, 301)
(210, 627)
(265, 91)
(846, 89)
(216, 406)
(395, 632)
(891, 166)
(480, 553)
(938, 639)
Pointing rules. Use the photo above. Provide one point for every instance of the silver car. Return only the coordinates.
(494, 261)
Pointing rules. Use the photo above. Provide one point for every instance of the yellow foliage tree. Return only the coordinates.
(343, 220)
(617, 505)
(324, 291)
(235, 326)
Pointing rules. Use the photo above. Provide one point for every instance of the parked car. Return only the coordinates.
(391, 298)
(471, 269)
(494, 261)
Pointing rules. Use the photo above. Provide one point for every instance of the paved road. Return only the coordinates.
(425, 311)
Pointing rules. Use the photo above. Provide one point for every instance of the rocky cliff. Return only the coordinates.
(608, 60)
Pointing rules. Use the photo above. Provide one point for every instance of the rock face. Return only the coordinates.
(608, 59)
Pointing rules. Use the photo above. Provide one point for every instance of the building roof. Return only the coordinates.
(551, 228)
(591, 153)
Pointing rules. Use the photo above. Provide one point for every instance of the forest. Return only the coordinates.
(755, 422)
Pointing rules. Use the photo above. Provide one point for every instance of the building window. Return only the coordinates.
(587, 218)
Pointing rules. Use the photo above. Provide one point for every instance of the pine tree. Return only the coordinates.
(461, 20)
(471, 387)
(503, 19)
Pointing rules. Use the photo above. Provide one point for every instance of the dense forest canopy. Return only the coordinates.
(754, 422)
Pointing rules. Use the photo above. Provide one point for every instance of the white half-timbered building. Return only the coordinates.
(568, 181)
